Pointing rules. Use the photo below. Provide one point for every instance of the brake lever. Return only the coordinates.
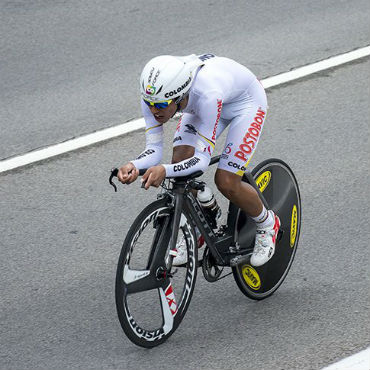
(114, 173)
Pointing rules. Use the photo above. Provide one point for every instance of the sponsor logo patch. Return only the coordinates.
(236, 165)
(293, 226)
(178, 124)
(263, 180)
(190, 129)
(205, 57)
(178, 90)
(150, 74)
(183, 166)
(146, 153)
(207, 150)
(155, 77)
(251, 277)
(219, 108)
(140, 332)
(170, 296)
(251, 136)
(150, 90)
(227, 149)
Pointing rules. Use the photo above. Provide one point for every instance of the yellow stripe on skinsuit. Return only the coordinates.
(240, 172)
(160, 124)
(207, 140)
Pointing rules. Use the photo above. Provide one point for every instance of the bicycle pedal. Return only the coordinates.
(170, 274)
(237, 260)
(234, 248)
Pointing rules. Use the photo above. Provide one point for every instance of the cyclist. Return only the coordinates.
(212, 93)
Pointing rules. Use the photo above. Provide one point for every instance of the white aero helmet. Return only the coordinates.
(168, 77)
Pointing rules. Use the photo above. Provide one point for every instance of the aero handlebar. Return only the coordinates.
(114, 171)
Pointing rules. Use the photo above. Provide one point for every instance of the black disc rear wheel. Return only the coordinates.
(279, 186)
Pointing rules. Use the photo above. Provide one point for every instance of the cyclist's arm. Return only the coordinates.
(152, 153)
(199, 162)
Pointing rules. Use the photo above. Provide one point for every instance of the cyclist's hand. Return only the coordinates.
(128, 173)
(154, 176)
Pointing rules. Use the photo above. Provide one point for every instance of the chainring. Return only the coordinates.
(211, 271)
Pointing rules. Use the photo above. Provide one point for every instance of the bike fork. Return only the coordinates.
(178, 202)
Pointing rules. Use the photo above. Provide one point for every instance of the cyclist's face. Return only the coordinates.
(164, 114)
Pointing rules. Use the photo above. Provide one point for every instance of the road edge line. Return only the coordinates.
(358, 361)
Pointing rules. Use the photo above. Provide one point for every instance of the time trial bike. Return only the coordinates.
(152, 296)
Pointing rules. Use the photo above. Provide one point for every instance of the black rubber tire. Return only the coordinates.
(261, 282)
(151, 337)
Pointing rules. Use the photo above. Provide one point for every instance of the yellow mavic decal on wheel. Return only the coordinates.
(251, 277)
(293, 226)
(263, 180)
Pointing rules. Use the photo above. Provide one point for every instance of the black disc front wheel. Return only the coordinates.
(279, 187)
(152, 297)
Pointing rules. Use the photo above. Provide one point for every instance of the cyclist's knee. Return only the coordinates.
(227, 183)
(182, 152)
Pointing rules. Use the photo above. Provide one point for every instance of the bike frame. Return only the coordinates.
(219, 245)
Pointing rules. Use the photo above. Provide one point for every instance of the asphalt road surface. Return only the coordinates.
(62, 226)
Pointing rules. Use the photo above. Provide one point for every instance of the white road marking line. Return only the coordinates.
(316, 67)
(109, 133)
(70, 145)
(359, 361)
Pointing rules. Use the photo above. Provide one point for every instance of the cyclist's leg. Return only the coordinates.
(243, 137)
(241, 142)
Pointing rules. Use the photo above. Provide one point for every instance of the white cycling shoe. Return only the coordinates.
(264, 247)
(181, 253)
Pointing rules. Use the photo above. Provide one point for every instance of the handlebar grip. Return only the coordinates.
(114, 173)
